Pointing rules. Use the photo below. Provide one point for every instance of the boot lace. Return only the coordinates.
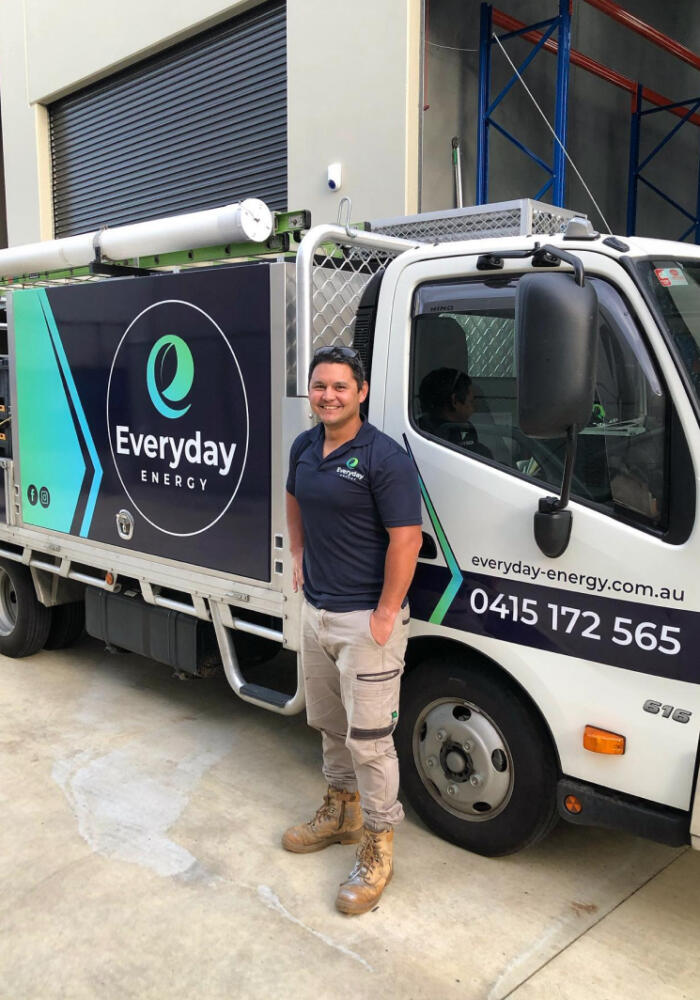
(368, 855)
(328, 810)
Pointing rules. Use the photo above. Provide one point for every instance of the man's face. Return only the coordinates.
(334, 396)
(462, 411)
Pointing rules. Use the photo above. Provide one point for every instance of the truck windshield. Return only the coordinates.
(674, 287)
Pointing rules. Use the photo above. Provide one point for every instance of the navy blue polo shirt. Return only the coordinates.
(347, 502)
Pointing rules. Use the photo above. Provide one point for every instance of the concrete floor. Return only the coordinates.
(139, 857)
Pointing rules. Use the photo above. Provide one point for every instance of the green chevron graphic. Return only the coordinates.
(52, 468)
(456, 579)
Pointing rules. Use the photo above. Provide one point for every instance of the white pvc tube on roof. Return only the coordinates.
(53, 255)
(248, 221)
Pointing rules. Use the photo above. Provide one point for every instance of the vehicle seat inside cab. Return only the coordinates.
(441, 342)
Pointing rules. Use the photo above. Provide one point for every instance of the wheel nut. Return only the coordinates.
(431, 762)
(467, 746)
(441, 735)
(451, 789)
(475, 781)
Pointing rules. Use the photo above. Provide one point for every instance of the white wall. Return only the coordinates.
(353, 97)
(353, 92)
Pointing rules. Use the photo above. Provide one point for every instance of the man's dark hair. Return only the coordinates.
(339, 355)
(440, 385)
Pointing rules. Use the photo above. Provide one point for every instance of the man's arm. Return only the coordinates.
(400, 565)
(295, 529)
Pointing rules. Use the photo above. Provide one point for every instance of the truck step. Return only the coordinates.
(260, 693)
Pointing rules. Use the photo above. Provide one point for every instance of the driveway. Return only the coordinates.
(140, 858)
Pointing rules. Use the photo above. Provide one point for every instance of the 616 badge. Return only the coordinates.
(667, 711)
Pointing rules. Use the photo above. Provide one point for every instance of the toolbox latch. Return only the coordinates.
(125, 525)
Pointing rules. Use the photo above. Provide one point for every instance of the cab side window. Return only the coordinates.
(463, 395)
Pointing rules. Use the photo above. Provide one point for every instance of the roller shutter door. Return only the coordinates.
(200, 125)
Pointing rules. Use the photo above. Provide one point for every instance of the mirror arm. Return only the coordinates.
(552, 520)
(569, 258)
(571, 442)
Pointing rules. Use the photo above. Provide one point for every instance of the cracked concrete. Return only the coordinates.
(139, 857)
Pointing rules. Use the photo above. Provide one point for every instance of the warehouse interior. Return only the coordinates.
(599, 118)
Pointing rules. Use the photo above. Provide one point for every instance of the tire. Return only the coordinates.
(24, 622)
(67, 625)
(476, 762)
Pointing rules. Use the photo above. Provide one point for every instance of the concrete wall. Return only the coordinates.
(599, 113)
(353, 92)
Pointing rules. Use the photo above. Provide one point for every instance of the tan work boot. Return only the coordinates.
(338, 821)
(372, 872)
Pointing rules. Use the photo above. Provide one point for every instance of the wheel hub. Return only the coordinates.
(8, 604)
(463, 759)
(456, 764)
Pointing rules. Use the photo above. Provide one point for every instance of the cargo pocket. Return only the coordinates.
(375, 704)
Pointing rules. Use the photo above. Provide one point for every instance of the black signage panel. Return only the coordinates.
(167, 381)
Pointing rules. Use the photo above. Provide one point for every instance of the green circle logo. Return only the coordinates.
(352, 463)
(181, 382)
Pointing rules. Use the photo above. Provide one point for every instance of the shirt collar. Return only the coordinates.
(362, 438)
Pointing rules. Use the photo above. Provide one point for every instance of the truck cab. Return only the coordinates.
(603, 637)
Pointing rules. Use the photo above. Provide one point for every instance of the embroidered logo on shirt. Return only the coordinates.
(348, 470)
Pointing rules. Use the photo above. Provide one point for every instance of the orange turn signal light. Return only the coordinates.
(109, 578)
(602, 741)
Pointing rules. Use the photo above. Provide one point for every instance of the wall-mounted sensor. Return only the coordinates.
(335, 176)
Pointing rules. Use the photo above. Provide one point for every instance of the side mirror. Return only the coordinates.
(556, 322)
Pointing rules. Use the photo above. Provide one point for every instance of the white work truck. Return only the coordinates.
(150, 398)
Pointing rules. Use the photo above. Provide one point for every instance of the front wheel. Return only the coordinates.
(24, 622)
(476, 762)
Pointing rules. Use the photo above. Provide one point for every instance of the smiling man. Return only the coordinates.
(354, 521)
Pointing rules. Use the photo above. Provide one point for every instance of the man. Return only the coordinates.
(354, 522)
(447, 401)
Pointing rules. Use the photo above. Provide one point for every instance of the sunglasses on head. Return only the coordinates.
(455, 381)
(345, 352)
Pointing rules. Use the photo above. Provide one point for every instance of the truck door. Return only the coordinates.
(602, 636)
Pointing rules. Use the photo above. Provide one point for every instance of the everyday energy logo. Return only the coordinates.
(177, 414)
(349, 470)
(181, 382)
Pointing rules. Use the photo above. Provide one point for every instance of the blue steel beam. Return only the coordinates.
(697, 209)
(561, 24)
(521, 69)
(523, 148)
(670, 135)
(671, 107)
(560, 117)
(636, 167)
(528, 27)
(633, 179)
(662, 194)
(482, 140)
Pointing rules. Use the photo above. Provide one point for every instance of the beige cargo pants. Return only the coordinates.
(352, 696)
